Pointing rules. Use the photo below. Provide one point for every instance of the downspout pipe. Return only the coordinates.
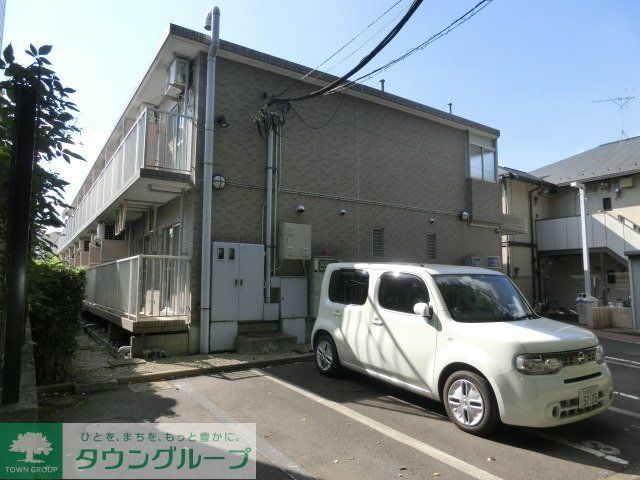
(268, 237)
(213, 24)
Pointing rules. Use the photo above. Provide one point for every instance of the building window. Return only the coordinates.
(482, 163)
(606, 204)
(431, 246)
(401, 291)
(86, 245)
(378, 242)
(349, 286)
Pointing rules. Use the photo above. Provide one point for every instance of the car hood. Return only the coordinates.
(537, 335)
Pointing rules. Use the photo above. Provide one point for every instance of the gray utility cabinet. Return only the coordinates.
(237, 281)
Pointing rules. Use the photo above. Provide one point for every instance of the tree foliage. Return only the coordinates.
(56, 127)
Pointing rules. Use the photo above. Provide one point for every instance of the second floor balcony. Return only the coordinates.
(151, 162)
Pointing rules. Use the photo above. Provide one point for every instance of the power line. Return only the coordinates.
(342, 48)
(452, 26)
(361, 64)
(318, 127)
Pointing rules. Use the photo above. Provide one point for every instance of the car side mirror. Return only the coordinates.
(423, 309)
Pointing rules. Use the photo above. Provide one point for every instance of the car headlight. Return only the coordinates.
(599, 354)
(538, 364)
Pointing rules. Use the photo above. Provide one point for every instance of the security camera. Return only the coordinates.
(343, 211)
(432, 220)
(300, 208)
(497, 230)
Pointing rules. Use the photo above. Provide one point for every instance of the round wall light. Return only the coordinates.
(465, 216)
(219, 182)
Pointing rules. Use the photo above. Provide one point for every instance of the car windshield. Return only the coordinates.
(482, 298)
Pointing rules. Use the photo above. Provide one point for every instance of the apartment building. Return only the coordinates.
(546, 260)
(362, 175)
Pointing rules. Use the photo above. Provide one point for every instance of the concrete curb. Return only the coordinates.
(193, 372)
(111, 384)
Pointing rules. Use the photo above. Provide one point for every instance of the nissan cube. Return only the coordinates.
(461, 335)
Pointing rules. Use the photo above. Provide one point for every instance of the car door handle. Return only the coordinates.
(337, 313)
(377, 321)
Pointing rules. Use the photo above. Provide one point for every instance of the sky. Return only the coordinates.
(530, 68)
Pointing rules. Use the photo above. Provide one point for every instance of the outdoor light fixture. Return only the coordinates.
(465, 216)
(219, 182)
(222, 121)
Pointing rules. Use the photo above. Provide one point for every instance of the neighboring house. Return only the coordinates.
(387, 179)
(611, 173)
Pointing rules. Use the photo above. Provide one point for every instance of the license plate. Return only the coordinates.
(587, 397)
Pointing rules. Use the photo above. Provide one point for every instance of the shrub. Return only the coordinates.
(55, 295)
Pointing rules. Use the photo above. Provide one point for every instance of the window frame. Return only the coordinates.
(356, 271)
(484, 149)
(391, 272)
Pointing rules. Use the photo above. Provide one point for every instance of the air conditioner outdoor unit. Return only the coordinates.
(176, 77)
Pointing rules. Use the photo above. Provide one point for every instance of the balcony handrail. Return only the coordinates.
(146, 255)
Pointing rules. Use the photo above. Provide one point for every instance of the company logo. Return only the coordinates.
(31, 443)
(581, 357)
(31, 450)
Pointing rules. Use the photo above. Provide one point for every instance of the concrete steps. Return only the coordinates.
(265, 342)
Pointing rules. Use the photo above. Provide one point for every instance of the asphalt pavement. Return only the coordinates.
(356, 427)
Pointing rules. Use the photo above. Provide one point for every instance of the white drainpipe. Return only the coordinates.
(268, 237)
(213, 23)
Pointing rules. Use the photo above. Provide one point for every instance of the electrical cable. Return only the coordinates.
(361, 64)
(452, 26)
(324, 124)
(342, 48)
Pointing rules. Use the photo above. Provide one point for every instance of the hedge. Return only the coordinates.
(55, 296)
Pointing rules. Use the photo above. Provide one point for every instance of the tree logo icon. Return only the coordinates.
(31, 443)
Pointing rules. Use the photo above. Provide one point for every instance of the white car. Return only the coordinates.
(462, 335)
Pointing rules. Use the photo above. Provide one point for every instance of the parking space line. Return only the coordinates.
(623, 360)
(627, 395)
(624, 364)
(275, 456)
(625, 412)
(581, 447)
(425, 448)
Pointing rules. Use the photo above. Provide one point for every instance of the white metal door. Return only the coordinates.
(251, 282)
(225, 281)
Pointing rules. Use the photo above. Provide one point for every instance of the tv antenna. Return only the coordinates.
(622, 103)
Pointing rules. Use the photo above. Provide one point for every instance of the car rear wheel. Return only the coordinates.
(470, 403)
(327, 360)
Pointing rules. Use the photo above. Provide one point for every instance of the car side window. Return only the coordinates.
(349, 286)
(401, 291)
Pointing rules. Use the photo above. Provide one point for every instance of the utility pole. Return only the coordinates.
(622, 103)
(18, 221)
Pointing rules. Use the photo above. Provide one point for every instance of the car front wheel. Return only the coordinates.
(470, 403)
(327, 360)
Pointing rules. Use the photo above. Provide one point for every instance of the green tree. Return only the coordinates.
(55, 129)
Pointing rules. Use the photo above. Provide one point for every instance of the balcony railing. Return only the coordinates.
(158, 140)
(141, 287)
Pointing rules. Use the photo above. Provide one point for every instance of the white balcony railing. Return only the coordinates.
(141, 287)
(158, 140)
(603, 231)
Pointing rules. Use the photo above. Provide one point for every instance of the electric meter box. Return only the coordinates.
(294, 241)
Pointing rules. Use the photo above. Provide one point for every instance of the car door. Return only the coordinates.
(348, 307)
(404, 342)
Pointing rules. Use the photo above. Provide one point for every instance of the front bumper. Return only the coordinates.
(551, 400)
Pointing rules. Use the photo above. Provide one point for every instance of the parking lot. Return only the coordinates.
(355, 427)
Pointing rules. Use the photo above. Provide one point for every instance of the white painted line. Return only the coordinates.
(275, 456)
(582, 448)
(427, 449)
(624, 360)
(627, 395)
(623, 364)
(625, 412)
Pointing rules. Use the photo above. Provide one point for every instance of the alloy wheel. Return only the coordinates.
(324, 355)
(466, 403)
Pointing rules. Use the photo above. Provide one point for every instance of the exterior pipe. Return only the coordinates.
(268, 237)
(585, 247)
(207, 183)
